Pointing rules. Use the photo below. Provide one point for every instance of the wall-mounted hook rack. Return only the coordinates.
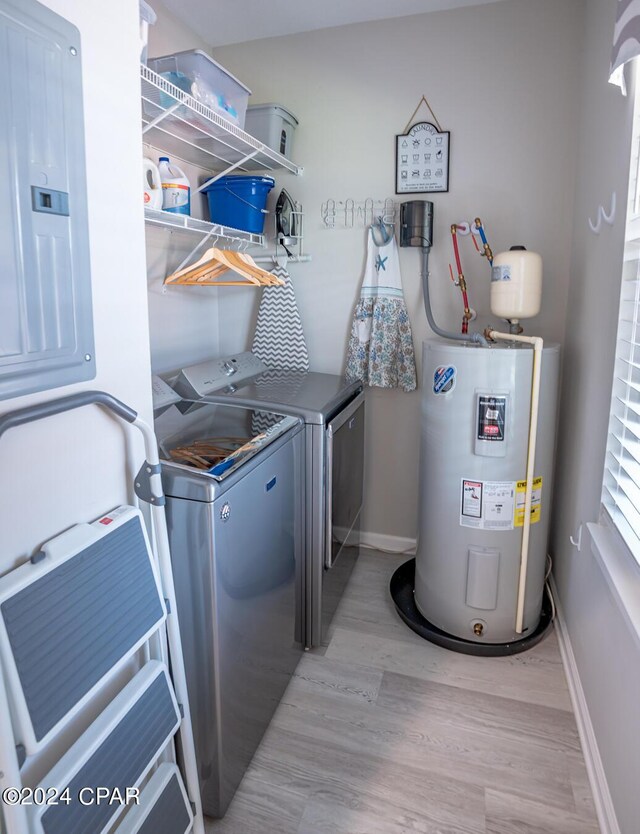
(350, 213)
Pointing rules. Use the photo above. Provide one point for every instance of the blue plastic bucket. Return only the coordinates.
(239, 202)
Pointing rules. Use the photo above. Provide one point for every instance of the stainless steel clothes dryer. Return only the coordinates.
(236, 529)
(333, 413)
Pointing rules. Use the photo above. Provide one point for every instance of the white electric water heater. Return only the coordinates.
(475, 429)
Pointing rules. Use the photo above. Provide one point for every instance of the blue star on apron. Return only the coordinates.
(380, 264)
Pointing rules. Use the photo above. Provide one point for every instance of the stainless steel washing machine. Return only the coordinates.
(333, 413)
(236, 528)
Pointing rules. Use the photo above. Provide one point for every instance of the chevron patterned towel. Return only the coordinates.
(279, 339)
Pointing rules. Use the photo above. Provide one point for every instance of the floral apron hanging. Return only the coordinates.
(380, 350)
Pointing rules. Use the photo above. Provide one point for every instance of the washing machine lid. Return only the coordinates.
(206, 443)
(312, 396)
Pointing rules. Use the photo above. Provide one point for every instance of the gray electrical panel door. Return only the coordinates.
(46, 322)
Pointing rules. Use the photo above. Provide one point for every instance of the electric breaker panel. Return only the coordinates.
(46, 322)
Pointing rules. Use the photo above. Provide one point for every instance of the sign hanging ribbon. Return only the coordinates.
(435, 119)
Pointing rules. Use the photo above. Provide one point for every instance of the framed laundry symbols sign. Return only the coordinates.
(422, 160)
(422, 157)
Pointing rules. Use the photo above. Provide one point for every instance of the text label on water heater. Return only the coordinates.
(491, 418)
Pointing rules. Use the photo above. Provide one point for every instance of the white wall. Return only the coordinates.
(605, 646)
(183, 320)
(502, 78)
(169, 35)
(73, 467)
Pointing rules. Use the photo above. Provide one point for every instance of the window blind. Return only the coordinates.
(621, 482)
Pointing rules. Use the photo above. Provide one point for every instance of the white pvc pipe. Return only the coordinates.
(538, 344)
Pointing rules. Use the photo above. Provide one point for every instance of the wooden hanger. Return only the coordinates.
(262, 274)
(215, 262)
(245, 265)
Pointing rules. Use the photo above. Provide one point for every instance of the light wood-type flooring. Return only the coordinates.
(381, 732)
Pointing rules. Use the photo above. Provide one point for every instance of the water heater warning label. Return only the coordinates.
(497, 505)
(491, 418)
(487, 505)
(501, 273)
(472, 499)
(536, 501)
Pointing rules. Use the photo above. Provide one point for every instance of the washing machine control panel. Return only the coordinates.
(214, 375)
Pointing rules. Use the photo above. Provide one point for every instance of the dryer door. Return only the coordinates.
(344, 479)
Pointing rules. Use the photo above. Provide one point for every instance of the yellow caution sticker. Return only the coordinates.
(536, 502)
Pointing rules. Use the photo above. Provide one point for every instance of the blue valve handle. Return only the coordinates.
(485, 242)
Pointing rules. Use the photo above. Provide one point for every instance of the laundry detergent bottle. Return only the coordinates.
(176, 193)
(151, 185)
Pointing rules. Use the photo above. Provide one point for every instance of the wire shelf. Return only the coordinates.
(183, 222)
(179, 124)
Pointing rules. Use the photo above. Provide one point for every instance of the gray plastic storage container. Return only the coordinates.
(272, 124)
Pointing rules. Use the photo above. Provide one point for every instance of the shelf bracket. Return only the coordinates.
(161, 116)
(196, 248)
(230, 168)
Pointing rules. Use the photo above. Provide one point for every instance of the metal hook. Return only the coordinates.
(368, 210)
(389, 212)
(329, 213)
(579, 542)
(601, 215)
(349, 213)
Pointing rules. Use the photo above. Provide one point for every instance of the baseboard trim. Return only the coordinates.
(390, 544)
(595, 769)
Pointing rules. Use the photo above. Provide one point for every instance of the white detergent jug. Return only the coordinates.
(176, 193)
(151, 185)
